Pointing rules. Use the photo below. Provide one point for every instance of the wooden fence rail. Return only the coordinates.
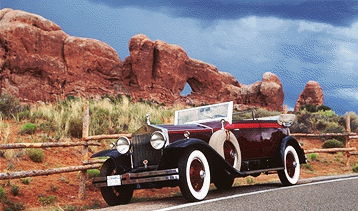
(48, 144)
(23, 174)
(112, 136)
(331, 150)
(318, 135)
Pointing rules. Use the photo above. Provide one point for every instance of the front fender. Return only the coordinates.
(289, 140)
(121, 161)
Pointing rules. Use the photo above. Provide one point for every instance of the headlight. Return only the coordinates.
(123, 145)
(158, 140)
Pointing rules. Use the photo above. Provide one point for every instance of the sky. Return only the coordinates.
(297, 40)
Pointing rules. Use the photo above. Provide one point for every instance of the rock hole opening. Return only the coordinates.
(187, 90)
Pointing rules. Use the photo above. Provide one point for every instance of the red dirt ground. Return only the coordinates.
(65, 186)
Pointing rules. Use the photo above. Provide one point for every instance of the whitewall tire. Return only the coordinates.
(291, 162)
(194, 175)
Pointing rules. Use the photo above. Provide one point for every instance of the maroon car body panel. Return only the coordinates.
(257, 138)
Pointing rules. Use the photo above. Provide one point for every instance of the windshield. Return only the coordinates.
(202, 114)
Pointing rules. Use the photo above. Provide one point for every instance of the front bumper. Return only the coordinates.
(137, 178)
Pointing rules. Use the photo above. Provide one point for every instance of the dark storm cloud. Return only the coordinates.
(337, 13)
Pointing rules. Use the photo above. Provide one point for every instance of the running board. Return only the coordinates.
(247, 173)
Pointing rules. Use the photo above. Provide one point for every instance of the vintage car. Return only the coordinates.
(205, 145)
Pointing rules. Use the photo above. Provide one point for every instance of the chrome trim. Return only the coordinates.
(205, 126)
(164, 131)
(151, 179)
(141, 177)
(154, 173)
(162, 134)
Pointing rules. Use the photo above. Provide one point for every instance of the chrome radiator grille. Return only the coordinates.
(142, 150)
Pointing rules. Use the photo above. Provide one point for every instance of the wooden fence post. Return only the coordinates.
(285, 108)
(348, 130)
(85, 128)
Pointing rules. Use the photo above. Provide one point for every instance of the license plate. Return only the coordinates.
(114, 180)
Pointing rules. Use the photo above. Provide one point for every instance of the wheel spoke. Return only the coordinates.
(290, 164)
(229, 152)
(197, 174)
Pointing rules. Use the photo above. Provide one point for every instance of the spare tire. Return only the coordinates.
(225, 143)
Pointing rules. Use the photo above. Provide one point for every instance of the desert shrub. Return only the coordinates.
(321, 125)
(14, 190)
(47, 126)
(26, 180)
(299, 128)
(75, 127)
(309, 108)
(312, 157)
(332, 143)
(70, 208)
(250, 180)
(92, 173)
(355, 168)
(13, 206)
(334, 127)
(2, 194)
(28, 128)
(47, 200)
(307, 166)
(323, 108)
(9, 105)
(36, 155)
(261, 112)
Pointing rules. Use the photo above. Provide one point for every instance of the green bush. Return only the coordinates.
(332, 143)
(14, 190)
(312, 157)
(9, 105)
(92, 173)
(47, 200)
(334, 127)
(355, 168)
(36, 155)
(309, 108)
(13, 206)
(2, 194)
(26, 180)
(323, 108)
(28, 128)
(308, 166)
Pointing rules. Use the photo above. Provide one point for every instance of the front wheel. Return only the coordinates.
(194, 175)
(118, 194)
(291, 173)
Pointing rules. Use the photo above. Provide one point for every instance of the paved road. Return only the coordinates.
(324, 193)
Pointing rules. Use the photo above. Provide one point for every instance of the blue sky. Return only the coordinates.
(297, 40)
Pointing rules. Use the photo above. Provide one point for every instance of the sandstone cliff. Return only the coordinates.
(40, 62)
(311, 94)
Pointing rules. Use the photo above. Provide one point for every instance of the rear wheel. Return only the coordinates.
(194, 175)
(291, 173)
(118, 194)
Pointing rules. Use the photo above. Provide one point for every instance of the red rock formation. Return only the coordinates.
(38, 61)
(311, 94)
